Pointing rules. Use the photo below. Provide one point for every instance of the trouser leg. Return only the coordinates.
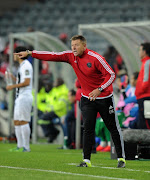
(89, 114)
(51, 130)
(107, 134)
(107, 111)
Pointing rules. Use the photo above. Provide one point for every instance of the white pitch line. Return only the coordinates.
(147, 171)
(75, 164)
(62, 172)
(126, 169)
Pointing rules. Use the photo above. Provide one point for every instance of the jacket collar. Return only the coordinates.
(145, 59)
(85, 52)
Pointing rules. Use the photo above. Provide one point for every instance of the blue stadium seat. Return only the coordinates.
(54, 14)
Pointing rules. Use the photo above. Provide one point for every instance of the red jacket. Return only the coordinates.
(91, 69)
(143, 81)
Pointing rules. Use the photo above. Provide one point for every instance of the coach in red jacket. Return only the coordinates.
(142, 91)
(95, 77)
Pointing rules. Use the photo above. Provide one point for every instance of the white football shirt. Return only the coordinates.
(25, 71)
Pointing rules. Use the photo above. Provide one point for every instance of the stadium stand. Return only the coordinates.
(68, 14)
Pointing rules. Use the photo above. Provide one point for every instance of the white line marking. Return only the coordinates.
(147, 171)
(119, 168)
(75, 164)
(127, 169)
(124, 169)
(62, 172)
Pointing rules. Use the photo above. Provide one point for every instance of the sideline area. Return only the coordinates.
(48, 162)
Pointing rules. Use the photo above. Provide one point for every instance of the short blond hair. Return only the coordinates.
(80, 37)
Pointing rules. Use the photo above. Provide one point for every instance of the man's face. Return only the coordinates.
(133, 81)
(71, 97)
(142, 52)
(78, 47)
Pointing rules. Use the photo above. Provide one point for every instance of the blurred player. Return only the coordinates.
(23, 102)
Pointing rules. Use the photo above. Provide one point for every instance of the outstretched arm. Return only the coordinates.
(47, 56)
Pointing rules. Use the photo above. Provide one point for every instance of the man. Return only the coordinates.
(23, 102)
(96, 78)
(142, 91)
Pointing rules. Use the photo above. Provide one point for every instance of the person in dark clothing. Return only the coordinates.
(96, 78)
(68, 124)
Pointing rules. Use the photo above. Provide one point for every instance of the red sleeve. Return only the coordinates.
(107, 72)
(78, 94)
(52, 56)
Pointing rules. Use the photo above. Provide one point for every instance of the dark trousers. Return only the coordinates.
(142, 122)
(50, 128)
(107, 111)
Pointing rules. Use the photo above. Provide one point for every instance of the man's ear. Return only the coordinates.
(85, 46)
(145, 53)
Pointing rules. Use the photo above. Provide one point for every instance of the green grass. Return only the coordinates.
(47, 162)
